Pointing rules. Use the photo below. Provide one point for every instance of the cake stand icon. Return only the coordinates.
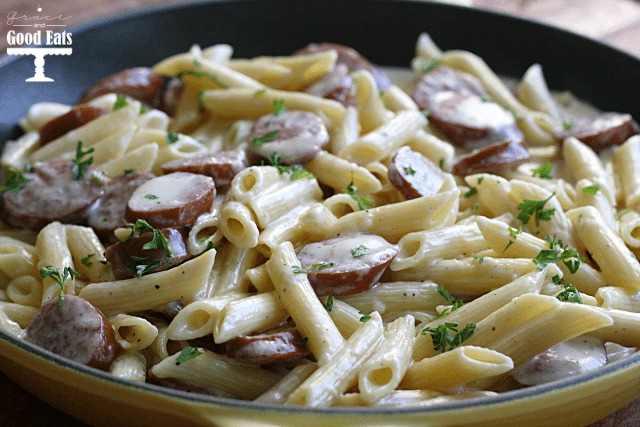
(39, 53)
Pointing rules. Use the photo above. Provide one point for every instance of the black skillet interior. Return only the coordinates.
(383, 31)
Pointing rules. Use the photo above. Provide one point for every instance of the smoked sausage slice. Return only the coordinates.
(75, 329)
(603, 131)
(352, 59)
(295, 136)
(76, 117)
(444, 79)
(222, 166)
(491, 158)
(107, 213)
(282, 346)
(52, 194)
(347, 264)
(413, 175)
(129, 258)
(171, 201)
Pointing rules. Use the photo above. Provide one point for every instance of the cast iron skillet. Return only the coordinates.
(383, 31)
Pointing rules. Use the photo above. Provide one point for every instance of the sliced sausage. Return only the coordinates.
(347, 264)
(444, 79)
(604, 131)
(221, 166)
(336, 85)
(52, 195)
(107, 213)
(352, 59)
(76, 117)
(295, 136)
(491, 158)
(129, 258)
(139, 83)
(171, 201)
(282, 346)
(413, 175)
(75, 329)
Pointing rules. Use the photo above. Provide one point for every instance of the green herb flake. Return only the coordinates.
(259, 141)
(200, 100)
(142, 266)
(86, 261)
(59, 278)
(188, 353)
(121, 101)
(480, 259)
(474, 207)
(151, 196)
(364, 316)
(536, 209)
(514, 235)
(329, 306)
(567, 125)
(591, 190)
(319, 266)
(16, 180)
(128, 171)
(455, 303)
(409, 170)
(260, 92)
(295, 172)
(544, 171)
(363, 202)
(443, 339)
(359, 251)
(569, 292)
(558, 252)
(158, 241)
(278, 107)
(429, 65)
(143, 109)
(200, 74)
(80, 164)
(441, 162)
(172, 137)
(472, 192)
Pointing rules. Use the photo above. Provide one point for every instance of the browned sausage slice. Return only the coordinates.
(171, 201)
(604, 131)
(413, 174)
(347, 264)
(352, 59)
(491, 158)
(336, 85)
(129, 258)
(167, 99)
(444, 79)
(76, 117)
(52, 195)
(75, 329)
(295, 136)
(108, 213)
(221, 166)
(283, 346)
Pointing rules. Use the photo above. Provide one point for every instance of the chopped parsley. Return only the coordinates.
(558, 252)
(329, 306)
(121, 101)
(201, 73)
(259, 141)
(158, 241)
(59, 278)
(480, 259)
(442, 338)
(16, 180)
(80, 164)
(278, 107)
(200, 100)
(363, 202)
(472, 192)
(535, 208)
(359, 251)
(364, 316)
(260, 92)
(143, 265)
(172, 137)
(318, 266)
(569, 292)
(429, 65)
(455, 303)
(128, 171)
(514, 234)
(591, 190)
(151, 196)
(567, 125)
(86, 261)
(409, 170)
(441, 162)
(543, 171)
(295, 172)
(188, 353)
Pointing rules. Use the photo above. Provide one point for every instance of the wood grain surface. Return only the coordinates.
(616, 22)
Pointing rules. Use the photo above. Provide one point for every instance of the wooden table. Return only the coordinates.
(616, 22)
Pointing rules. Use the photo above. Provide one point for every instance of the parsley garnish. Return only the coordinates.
(16, 180)
(444, 341)
(455, 303)
(87, 260)
(472, 192)
(591, 190)
(60, 279)
(543, 171)
(172, 137)
(143, 109)
(569, 292)
(260, 92)
(151, 196)
(513, 233)
(128, 171)
(295, 172)
(188, 353)
(429, 65)
(121, 101)
(158, 241)
(363, 202)
(259, 141)
(441, 162)
(200, 99)
(536, 208)
(329, 306)
(278, 107)
(409, 170)
(142, 265)
(364, 316)
(558, 252)
(480, 259)
(200, 73)
(318, 266)
(360, 250)
(79, 165)
(567, 125)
